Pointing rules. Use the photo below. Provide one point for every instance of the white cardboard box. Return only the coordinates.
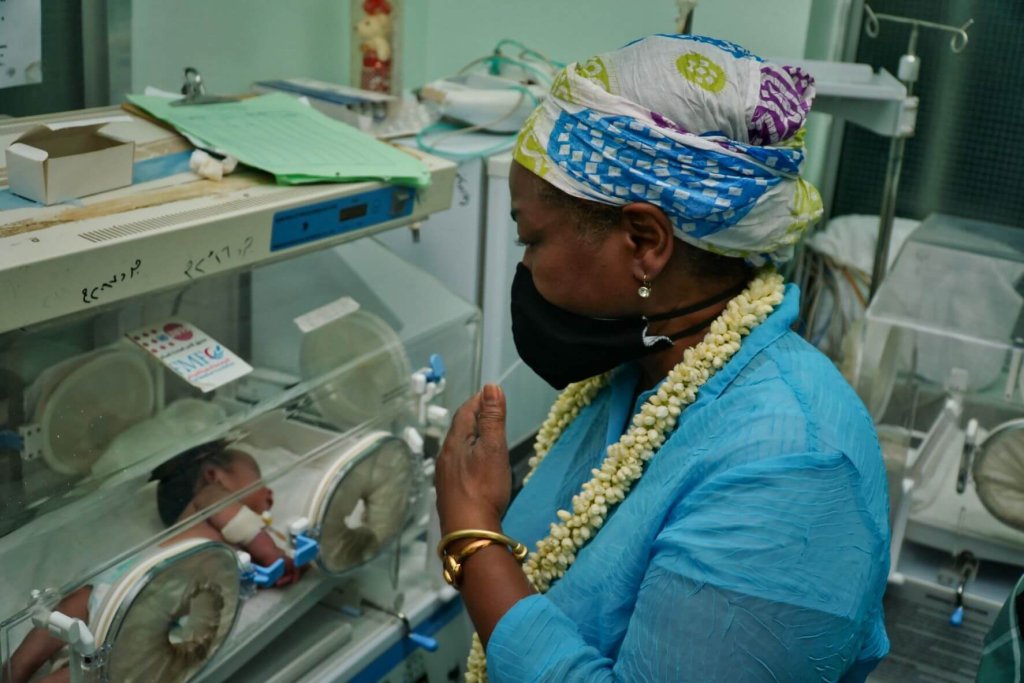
(52, 166)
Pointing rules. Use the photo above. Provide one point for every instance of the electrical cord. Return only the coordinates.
(493, 61)
(505, 144)
(526, 51)
(500, 147)
(525, 66)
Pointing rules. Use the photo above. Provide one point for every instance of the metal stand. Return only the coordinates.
(887, 216)
(909, 69)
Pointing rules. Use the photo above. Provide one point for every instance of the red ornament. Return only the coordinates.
(376, 6)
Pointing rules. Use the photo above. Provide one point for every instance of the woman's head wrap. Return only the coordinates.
(702, 128)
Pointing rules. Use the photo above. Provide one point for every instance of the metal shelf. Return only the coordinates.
(60, 260)
(874, 100)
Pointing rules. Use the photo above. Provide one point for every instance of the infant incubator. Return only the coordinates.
(343, 365)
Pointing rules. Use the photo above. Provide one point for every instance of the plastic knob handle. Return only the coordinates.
(957, 617)
(11, 440)
(264, 577)
(437, 369)
(426, 642)
(306, 550)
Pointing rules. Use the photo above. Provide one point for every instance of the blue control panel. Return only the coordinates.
(306, 224)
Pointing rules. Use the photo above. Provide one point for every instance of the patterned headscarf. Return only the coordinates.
(702, 128)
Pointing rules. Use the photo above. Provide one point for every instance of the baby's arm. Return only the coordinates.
(39, 646)
(265, 552)
(242, 527)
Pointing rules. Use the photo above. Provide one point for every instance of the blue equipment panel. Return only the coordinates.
(321, 221)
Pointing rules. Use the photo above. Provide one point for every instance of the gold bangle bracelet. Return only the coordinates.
(518, 550)
(451, 565)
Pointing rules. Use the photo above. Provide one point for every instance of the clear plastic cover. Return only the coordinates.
(364, 505)
(999, 474)
(948, 322)
(166, 618)
(107, 454)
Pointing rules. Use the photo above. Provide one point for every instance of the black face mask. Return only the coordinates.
(564, 347)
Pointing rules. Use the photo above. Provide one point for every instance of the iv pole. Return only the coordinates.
(909, 69)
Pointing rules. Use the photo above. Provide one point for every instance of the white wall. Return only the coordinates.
(779, 29)
(235, 42)
(445, 34)
(770, 28)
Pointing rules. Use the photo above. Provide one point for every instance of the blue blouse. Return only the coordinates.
(755, 547)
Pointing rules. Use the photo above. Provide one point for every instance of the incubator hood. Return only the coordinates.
(343, 345)
(176, 326)
(939, 367)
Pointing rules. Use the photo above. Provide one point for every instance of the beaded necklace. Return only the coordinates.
(624, 462)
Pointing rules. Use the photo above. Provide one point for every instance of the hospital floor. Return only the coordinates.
(925, 648)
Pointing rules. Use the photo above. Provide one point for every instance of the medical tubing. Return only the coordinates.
(506, 143)
(525, 51)
(526, 66)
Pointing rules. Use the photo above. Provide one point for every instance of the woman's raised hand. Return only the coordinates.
(473, 477)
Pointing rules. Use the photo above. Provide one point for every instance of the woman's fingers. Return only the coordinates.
(463, 427)
(491, 419)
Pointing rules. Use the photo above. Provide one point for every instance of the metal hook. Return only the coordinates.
(871, 25)
(960, 33)
(957, 43)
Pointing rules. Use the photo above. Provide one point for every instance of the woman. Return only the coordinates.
(708, 499)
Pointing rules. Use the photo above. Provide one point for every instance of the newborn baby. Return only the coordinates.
(190, 482)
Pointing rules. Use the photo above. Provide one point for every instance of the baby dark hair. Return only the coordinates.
(178, 476)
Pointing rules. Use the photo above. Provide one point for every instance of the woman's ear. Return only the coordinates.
(651, 237)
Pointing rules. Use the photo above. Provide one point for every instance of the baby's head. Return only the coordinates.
(216, 463)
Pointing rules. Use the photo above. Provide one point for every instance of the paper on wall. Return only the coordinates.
(21, 43)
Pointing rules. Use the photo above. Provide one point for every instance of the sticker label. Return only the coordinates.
(328, 313)
(191, 354)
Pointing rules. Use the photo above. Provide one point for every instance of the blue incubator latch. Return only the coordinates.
(265, 577)
(419, 639)
(306, 549)
(11, 440)
(436, 370)
(426, 642)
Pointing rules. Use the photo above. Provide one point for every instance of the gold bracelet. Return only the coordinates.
(518, 550)
(451, 564)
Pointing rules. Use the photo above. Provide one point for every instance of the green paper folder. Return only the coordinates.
(297, 144)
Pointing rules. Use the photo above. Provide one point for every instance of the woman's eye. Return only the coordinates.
(522, 243)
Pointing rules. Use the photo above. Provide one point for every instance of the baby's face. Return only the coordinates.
(245, 472)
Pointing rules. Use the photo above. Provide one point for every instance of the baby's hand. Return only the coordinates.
(265, 552)
(291, 573)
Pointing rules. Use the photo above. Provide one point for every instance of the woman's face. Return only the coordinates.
(589, 274)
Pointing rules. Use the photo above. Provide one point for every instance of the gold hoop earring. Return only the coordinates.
(645, 288)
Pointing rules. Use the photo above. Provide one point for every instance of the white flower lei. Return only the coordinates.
(624, 463)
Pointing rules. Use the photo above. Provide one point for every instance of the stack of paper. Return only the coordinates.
(278, 134)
